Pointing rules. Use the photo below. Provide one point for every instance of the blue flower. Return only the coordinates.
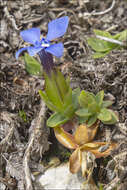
(56, 29)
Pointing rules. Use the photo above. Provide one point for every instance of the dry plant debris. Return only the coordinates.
(24, 142)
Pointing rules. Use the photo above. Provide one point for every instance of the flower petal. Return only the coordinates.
(56, 49)
(57, 28)
(20, 51)
(33, 50)
(31, 35)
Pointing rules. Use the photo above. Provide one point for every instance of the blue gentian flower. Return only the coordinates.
(56, 29)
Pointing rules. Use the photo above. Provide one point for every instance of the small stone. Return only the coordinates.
(60, 178)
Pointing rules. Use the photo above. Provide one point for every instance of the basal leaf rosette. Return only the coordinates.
(93, 108)
(82, 143)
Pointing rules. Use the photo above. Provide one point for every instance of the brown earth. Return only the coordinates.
(23, 140)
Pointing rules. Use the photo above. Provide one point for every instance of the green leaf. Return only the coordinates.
(52, 90)
(107, 35)
(103, 47)
(47, 102)
(68, 108)
(56, 119)
(82, 119)
(93, 108)
(100, 54)
(113, 120)
(75, 96)
(68, 112)
(61, 83)
(99, 97)
(83, 112)
(68, 98)
(104, 115)
(102, 33)
(99, 45)
(106, 104)
(86, 98)
(32, 66)
(22, 114)
(122, 36)
(92, 120)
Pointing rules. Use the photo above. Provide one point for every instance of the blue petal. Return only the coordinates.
(56, 49)
(31, 35)
(57, 28)
(33, 50)
(20, 51)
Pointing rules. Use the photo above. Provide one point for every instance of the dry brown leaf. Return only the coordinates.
(84, 163)
(85, 134)
(65, 138)
(103, 153)
(75, 161)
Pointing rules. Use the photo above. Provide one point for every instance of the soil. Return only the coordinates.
(23, 141)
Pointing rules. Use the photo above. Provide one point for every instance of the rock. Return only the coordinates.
(60, 178)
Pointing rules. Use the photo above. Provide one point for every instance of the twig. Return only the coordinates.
(112, 184)
(102, 12)
(38, 124)
(10, 18)
(6, 139)
(32, 20)
(63, 9)
(6, 183)
(110, 40)
(5, 116)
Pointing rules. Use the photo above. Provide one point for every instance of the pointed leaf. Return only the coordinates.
(97, 55)
(47, 102)
(86, 98)
(106, 104)
(69, 111)
(75, 95)
(99, 45)
(75, 161)
(68, 108)
(62, 83)
(68, 98)
(93, 108)
(32, 66)
(92, 120)
(83, 112)
(56, 119)
(82, 120)
(65, 138)
(104, 115)
(122, 36)
(52, 90)
(99, 97)
(102, 33)
(105, 34)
